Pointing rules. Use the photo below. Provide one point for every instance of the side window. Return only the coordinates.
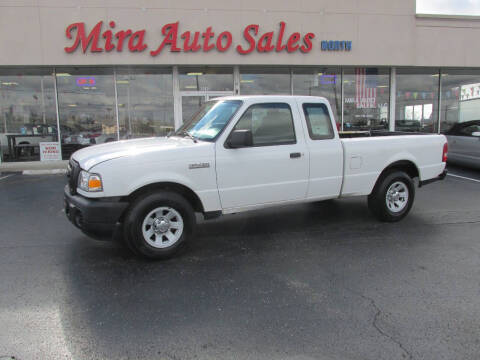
(318, 121)
(270, 123)
(468, 130)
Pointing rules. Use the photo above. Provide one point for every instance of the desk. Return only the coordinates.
(13, 147)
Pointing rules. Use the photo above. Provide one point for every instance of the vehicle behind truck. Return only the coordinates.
(238, 154)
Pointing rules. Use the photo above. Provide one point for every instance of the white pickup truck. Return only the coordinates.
(237, 154)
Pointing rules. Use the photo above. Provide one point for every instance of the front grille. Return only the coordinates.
(73, 176)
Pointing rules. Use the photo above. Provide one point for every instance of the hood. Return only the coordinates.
(96, 154)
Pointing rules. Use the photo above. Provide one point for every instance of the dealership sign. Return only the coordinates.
(102, 38)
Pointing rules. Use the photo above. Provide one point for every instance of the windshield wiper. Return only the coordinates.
(185, 132)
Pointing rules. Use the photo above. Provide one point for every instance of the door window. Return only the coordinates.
(468, 130)
(270, 124)
(318, 121)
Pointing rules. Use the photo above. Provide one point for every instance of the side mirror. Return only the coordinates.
(476, 133)
(239, 139)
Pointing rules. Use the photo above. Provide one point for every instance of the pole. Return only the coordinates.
(55, 89)
(116, 101)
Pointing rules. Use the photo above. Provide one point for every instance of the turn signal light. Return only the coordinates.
(89, 182)
(94, 183)
(445, 152)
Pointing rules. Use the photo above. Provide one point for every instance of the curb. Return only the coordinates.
(44, 172)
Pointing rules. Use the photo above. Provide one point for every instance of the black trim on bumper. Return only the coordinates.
(96, 218)
(429, 181)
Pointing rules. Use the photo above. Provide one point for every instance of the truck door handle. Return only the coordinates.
(295, 155)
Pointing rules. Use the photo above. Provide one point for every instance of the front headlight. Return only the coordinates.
(89, 182)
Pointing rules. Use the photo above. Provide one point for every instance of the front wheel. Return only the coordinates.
(159, 224)
(392, 197)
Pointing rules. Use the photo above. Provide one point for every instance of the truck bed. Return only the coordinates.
(365, 156)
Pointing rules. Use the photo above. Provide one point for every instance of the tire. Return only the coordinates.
(158, 225)
(392, 197)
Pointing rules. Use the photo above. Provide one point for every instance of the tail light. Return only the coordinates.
(445, 152)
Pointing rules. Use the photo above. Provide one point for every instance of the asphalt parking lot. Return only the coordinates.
(314, 281)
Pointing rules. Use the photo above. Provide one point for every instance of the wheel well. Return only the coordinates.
(186, 192)
(403, 165)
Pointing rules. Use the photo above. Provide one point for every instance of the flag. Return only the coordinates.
(366, 88)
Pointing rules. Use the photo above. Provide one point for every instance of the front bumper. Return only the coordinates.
(97, 218)
(429, 181)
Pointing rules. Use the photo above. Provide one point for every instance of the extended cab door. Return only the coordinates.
(325, 150)
(274, 168)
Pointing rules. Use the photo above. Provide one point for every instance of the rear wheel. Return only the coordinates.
(392, 197)
(158, 225)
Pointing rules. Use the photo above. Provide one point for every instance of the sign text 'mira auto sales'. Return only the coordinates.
(101, 40)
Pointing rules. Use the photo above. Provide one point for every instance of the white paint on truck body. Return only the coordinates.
(253, 177)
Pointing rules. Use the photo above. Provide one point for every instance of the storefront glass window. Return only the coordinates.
(271, 81)
(366, 99)
(27, 113)
(325, 82)
(460, 97)
(416, 100)
(206, 79)
(145, 102)
(86, 101)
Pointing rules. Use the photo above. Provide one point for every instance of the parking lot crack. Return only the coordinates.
(305, 289)
(378, 312)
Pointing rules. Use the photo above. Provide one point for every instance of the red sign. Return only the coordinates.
(86, 81)
(171, 40)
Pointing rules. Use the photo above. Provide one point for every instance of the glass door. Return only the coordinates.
(192, 101)
(190, 105)
(197, 85)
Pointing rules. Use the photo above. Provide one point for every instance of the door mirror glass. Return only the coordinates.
(476, 133)
(239, 139)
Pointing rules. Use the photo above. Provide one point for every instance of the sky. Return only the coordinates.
(449, 7)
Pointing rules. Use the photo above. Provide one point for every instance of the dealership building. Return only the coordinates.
(78, 73)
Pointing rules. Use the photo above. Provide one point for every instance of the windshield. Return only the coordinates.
(210, 120)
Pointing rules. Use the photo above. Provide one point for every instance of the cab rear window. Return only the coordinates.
(318, 121)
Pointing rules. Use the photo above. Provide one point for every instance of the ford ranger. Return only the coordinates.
(237, 154)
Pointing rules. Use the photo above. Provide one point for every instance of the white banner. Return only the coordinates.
(470, 92)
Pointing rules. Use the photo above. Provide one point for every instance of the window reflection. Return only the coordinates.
(145, 102)
(325, 82)
(190, 106)
(460, 97)
(366, 99)
(416, 100)
(27, 112)
(206, 79)
(86, 102)
(265, 81)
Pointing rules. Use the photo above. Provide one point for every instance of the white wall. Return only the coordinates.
(383, 32)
